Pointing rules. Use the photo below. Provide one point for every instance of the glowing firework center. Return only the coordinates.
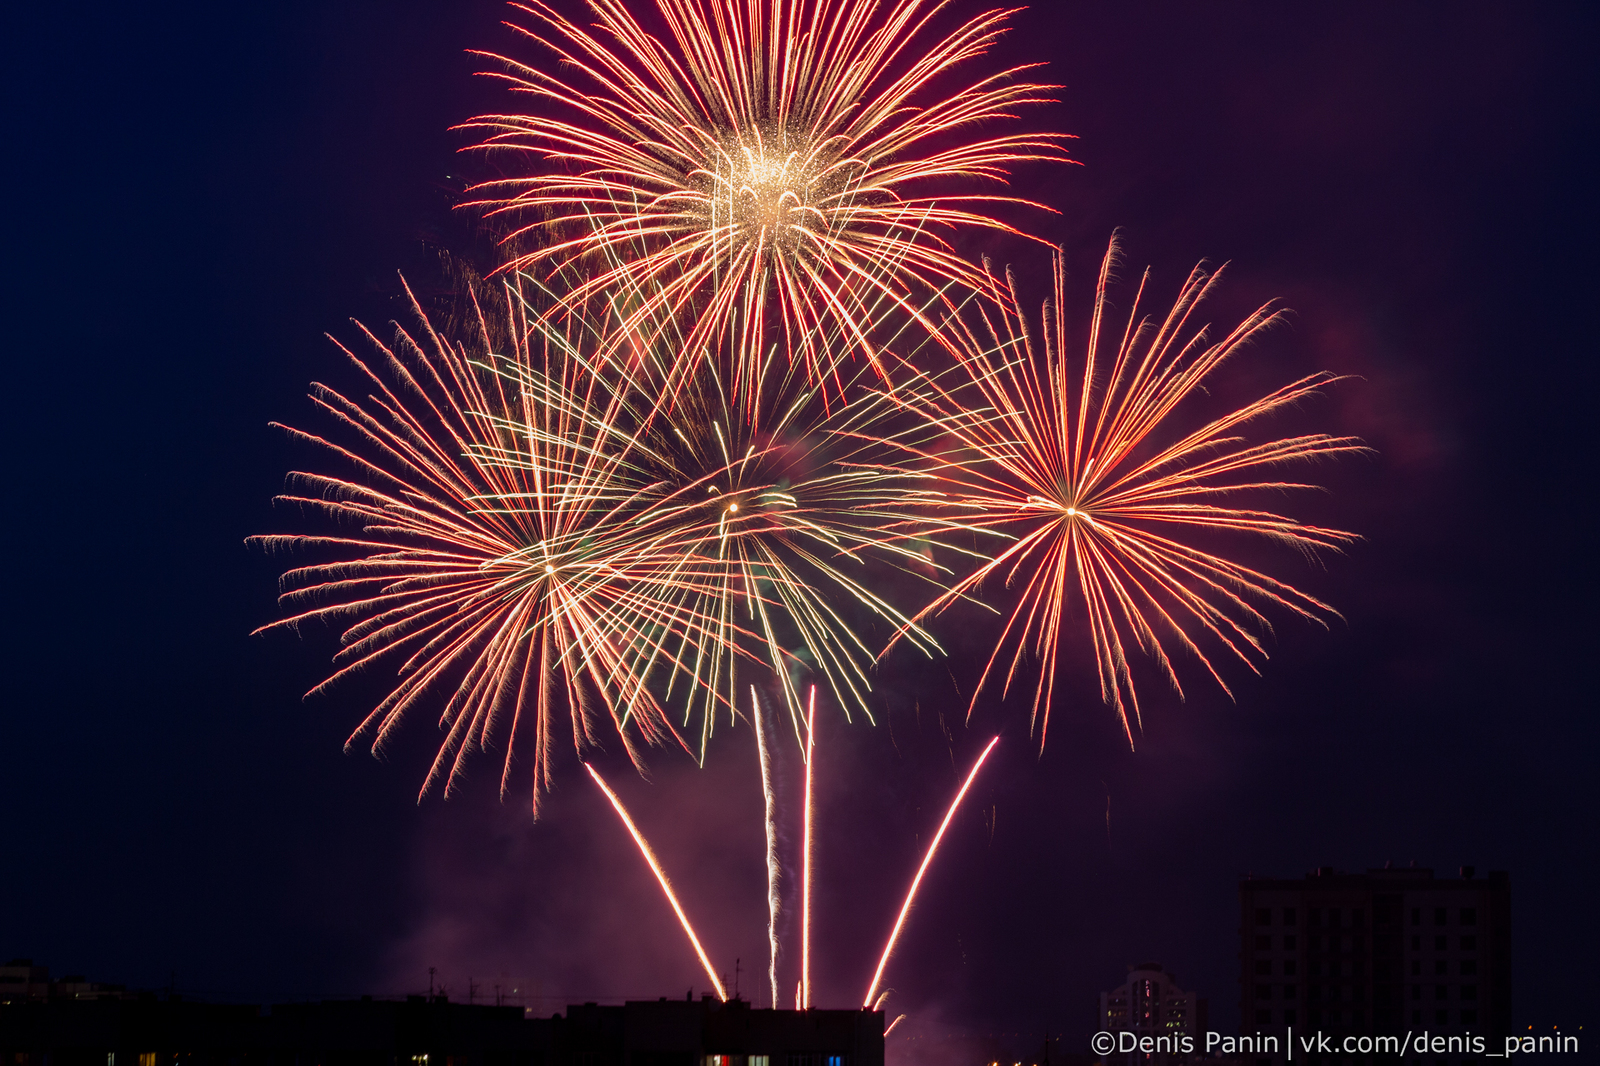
(763, 193)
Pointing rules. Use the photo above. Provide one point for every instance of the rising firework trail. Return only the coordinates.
(805, 858)
(1099, 493)
(770, 821)
(661, 878)
(777, 163)
(911, 895)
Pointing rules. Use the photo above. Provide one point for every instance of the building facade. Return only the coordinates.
(1151, 1005)
(1383, 953)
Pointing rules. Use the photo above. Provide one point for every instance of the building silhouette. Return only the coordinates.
(1149, 1004)
(1385, 952)
(430, 1031)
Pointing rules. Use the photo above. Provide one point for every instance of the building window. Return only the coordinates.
(1263, 1017)
(1440, 967)
(1288, 916)
(1469, 1017)
(1416, 991)
(759, 1060)
(1264, 942)
(1441, 943)
(1441, 991)
(1469, 968)
(1358, 1018)
(1469, 916)
(1416, 1017)
(1263, 967)
(1416, 915)
(1357, 916)
(1288, 991)
(1288, 1017)
(1469, 943)
(1441, 1017)
(1416, 968)
(1313, 916)
(1439, 916)
(1289, 968)
(1263, 916)
(1263, 991)
(1469, 991)
(1416, 943)
(1288, 943)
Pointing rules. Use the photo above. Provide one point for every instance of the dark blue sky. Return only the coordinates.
(196, 193)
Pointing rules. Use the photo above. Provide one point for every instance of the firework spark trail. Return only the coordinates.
(805, 860)
(1072, 470)
(770, 805)
(493, 563)
(767, 165)
(661, 877)
(776, 508)
(905, 908)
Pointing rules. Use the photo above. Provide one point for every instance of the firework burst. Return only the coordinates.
(487, 554)
(1100, 494)
(768, 162)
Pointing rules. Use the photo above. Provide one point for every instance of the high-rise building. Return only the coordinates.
(1382, 953)
(1151, 1005)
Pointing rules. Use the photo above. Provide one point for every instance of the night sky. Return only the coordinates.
(197, 193)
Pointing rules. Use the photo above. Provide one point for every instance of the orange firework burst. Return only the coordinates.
(1086, 476)
(784, 162)
(494, 563)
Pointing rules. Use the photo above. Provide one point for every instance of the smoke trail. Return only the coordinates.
(655, 867)
(773, 869)
(926, 859)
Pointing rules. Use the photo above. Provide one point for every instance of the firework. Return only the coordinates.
(486, 553)
(916, 882)
(770, 824)
(782, 162)
(805, 860)
(778, 511)
(1084, 471)
(661, 878)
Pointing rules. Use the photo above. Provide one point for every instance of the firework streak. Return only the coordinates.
(770, 823)
(661, 877)
(911, 894)
(776, 163)
(1085, 473)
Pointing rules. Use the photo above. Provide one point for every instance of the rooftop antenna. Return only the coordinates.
(736, 977)
(431, 972)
